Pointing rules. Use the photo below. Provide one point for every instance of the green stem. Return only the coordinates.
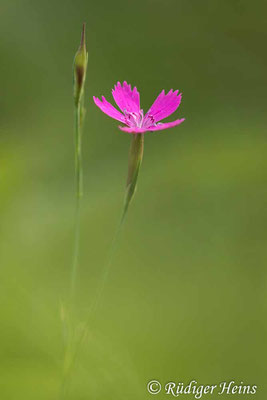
(79, 193)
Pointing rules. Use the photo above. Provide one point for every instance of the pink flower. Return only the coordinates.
(128, 101)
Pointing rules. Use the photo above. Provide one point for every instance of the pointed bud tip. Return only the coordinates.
(83, 42)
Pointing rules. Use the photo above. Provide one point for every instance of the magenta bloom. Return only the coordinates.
(128, 101)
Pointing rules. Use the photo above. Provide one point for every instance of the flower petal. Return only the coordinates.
(108, 109)
(164, 105)
(126, 98)
(166, 125)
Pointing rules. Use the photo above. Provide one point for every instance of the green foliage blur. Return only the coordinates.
(186, 294)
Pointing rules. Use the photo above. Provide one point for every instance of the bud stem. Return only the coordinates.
(79, 193)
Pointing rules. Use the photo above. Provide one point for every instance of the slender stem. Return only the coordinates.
(79, 193)
(106, 268)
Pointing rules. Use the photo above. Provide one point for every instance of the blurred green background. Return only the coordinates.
(186, 295)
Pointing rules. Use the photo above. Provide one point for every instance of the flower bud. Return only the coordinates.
(79, 68)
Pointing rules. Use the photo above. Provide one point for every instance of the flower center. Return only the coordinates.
(133, 119)
(138, 120)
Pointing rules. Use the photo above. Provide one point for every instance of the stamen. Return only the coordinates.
(149, 121)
